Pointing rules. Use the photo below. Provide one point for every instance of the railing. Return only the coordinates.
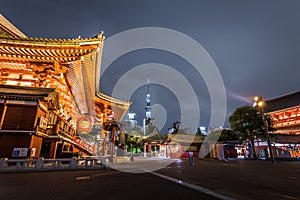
(41, 164)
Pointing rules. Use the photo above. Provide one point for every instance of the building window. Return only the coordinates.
(19, 117)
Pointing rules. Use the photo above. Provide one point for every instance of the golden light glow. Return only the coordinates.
(260, 103)
(9, 82)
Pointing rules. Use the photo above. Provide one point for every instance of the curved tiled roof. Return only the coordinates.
(283, 102)
(50, 41)
(119, 107)
(48, 50)
(10, 29)
(285, 138)
(15, 46)
(112, 100)
(186, 138)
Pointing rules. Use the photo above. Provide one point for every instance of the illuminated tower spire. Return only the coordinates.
(148, 108)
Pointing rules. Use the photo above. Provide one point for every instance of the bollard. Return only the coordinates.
(3, 163)
(191, 158)
(73, 163)
(103, 162)
(39, 163)
(59, 163)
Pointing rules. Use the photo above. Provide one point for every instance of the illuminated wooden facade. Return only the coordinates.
(178, 145)
(285, 113)
(47, 85)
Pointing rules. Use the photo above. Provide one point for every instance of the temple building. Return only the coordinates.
(50, 92)
(284, 112)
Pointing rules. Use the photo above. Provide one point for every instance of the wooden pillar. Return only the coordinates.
(159, 151)
(104, 150)
(112, 144)
(180, 150)
(145, 149)
(53, 150)
(3, 115)
(104, 132)
(167, 150)
(149, 150)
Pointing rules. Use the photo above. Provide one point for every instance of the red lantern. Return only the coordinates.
(85, 124)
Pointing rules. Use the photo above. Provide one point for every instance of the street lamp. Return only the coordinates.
(260, 103)
(113, 126)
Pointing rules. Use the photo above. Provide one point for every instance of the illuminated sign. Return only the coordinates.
(203, 130)
(131, 115)
(85, 124)
(20, 152)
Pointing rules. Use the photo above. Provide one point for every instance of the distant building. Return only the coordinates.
(148, 119)
(132, 122)
(148, 100)
(178, 145)
(203, 130)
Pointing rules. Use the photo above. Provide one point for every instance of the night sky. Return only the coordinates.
(254, 44)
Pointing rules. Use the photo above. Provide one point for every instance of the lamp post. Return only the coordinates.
(260, 103)
(113, 126)
(98, 139)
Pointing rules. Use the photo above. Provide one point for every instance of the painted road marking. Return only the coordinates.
(285, 196)
(82, 177)
(96, 175)
(105, 174)
(192, 186)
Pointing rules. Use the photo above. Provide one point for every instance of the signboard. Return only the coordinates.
(43, 123)
(131, 115)
(33, 151)
(85, 124)
(20, 152)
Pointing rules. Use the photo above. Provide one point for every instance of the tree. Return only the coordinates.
(134, 137)
(222, 135)
(175, 127)
(134, 141)
(228, 135)
(247, 123)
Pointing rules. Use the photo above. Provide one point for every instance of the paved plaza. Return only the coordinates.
(237, 179)
(156, 178)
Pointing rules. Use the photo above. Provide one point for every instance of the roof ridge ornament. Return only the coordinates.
(100, 35)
